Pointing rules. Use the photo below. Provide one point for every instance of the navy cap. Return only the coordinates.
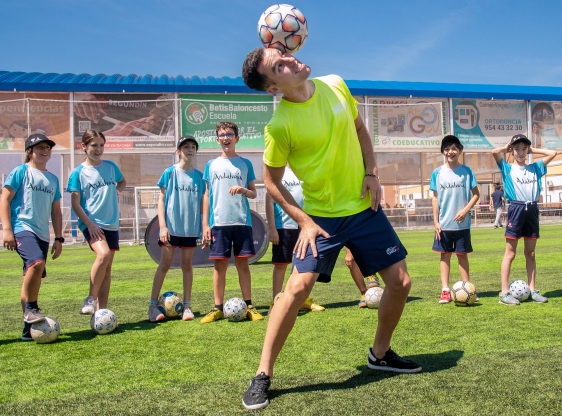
(520, 138)
(186, 138)
(37, 138)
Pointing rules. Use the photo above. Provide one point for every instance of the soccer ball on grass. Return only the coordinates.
(519, 289)
(103, 322)
(45, 331)
(235, 310)
(283, 27)
(463, 293)
(171, 304)
(373, 297)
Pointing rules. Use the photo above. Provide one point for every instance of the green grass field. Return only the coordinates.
(488, 359)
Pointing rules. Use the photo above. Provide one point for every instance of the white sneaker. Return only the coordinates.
(89, 307)
(187, 314)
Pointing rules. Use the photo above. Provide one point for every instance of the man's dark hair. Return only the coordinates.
(449, 140)
(252, 78)
(498, 186)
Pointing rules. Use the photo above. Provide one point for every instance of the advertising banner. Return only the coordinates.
(407, 124)
(201, 113)
(128, 121)
(546, 121)
(24, 114)
(487, 124)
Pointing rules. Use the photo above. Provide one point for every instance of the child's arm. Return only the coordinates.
(348, 258)
(547, 153)
(96, 233)
(463, 212)
(56, 218)
(121, 185)
(270, 215)
(496, 153)
(206, 228)
(8, 235)
(249, 192)
(164, 232)
(435, 206)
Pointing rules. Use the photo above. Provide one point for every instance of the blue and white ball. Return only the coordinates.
(172, 304)
(45, 331)
(235, 310)
(103, 322)
(519, 289)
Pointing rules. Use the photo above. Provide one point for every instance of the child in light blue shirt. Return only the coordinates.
(522, 186)
(455, 191)
(179, 216)
(30, 197)
(227, 222)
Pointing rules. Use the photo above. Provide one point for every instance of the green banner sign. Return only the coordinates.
(201, 113)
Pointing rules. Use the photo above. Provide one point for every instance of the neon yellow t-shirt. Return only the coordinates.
(319, 141)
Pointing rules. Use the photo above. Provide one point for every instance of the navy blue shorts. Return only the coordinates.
(282, 253)
(223, 238)
(111, 237)
(453, 241)
(31, 250)
(180, 242)
(368, 235)
(522, 221)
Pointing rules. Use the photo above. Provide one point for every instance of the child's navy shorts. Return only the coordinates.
(111, 237)
(453, 241)
(226, 237)
(180, 242)
(282, 253)
(31, 250)
(522, 220)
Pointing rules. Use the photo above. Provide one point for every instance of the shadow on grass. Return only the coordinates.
(354, 303)
(489, 294)
(554, 294)
(431, 363)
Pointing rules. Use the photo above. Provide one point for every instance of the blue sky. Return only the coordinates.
(474, 41)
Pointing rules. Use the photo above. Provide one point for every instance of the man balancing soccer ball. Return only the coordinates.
(317, 130)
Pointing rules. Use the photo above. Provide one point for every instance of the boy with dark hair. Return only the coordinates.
(455, 192)
(522, 184)
(227, 221)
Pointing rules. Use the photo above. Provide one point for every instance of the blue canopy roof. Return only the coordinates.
(51, 82)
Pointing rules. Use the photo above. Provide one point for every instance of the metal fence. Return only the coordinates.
(400, 218)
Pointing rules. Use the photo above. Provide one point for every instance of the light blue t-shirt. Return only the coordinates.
(522, 183)
(454, 191)
(97, 186)
(293, 185)
(221, 174)
(182, 203)
(31, 207)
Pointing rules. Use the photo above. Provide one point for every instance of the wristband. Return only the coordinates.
(245, 193)
(371, 174)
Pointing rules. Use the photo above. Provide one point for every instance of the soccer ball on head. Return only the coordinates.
(235, 310)
(103, 322)
(283, 27)
(171, 304)
(519, 289)
(45, 331)
(463, 293)
(373, 297)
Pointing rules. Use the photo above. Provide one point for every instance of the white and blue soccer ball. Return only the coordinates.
(519, 289)
(45, 331)
(373, 297)
(103, 322)
(283, 27)
(235, 310)
(171, 303)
